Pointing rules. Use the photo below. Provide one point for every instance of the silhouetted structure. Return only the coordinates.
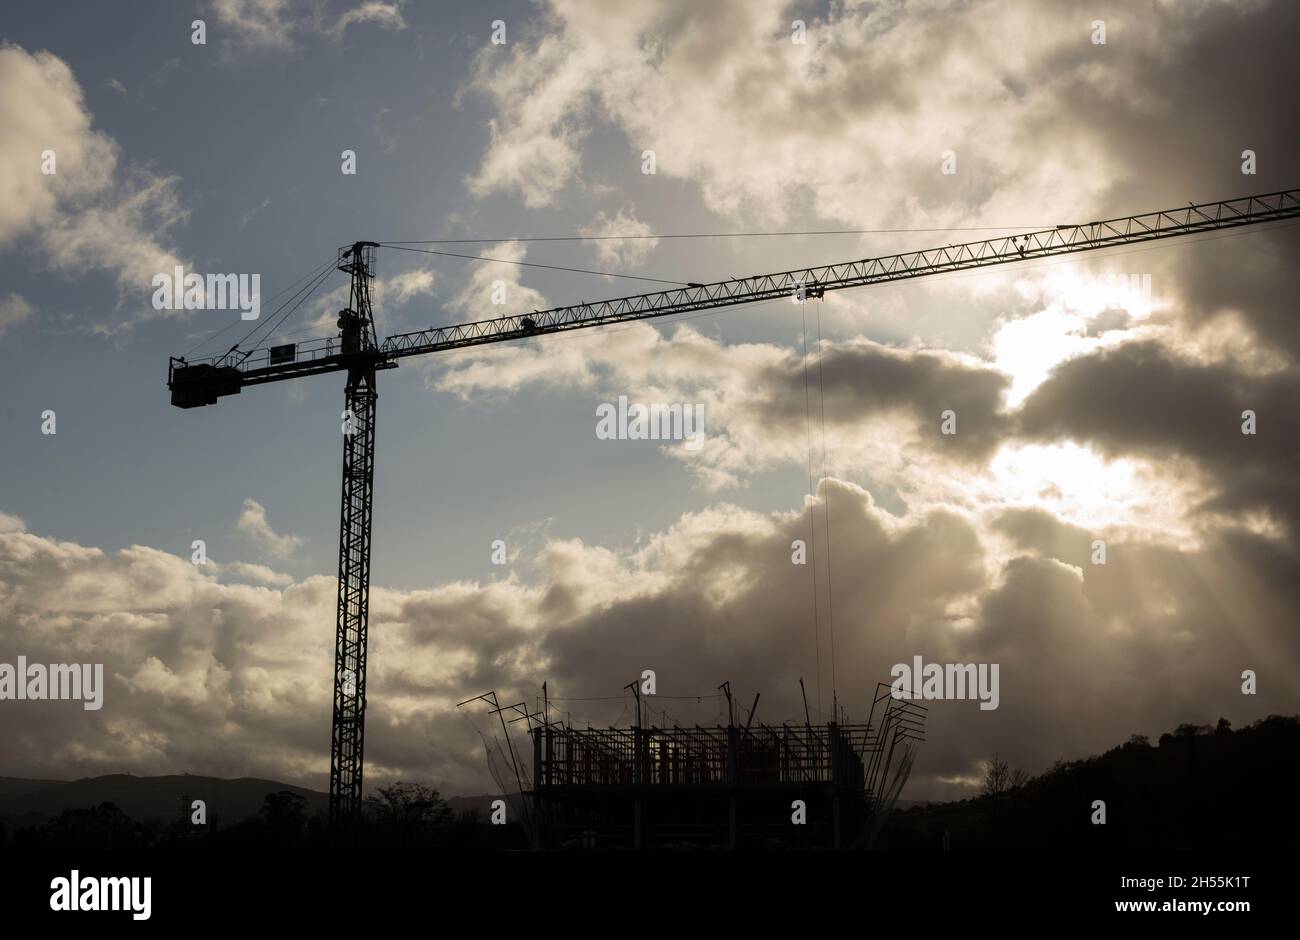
(732, 787)
(358, 351)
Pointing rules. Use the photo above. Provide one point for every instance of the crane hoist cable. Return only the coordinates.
(812, 509)
(830, 569)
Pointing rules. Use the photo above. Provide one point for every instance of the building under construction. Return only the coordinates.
(733, 787)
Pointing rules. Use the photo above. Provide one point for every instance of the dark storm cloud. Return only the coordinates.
(1184, 94)
(885, 584)
(863, 380)
(1041, 533)
(1187, 94)
(1088, 654)
(1254, 275)
(1157, 636)
(1140, 399)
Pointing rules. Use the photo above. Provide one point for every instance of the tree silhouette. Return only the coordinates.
(409, 810)
(1000, 779)
(1155, 797)
(101, 827)
(285, 815)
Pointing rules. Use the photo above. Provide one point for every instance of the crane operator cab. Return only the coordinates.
(350, 327)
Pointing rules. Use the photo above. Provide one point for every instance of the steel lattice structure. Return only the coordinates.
(356, 327)
(353, 598)
(357, 351)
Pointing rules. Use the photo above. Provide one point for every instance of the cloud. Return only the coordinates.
(488, 281)
(233, 679)
(623, 253)
(385, 15)
(1141, 398)
(387, 295)
(849, 128)
(260, 574)
(44, 109)
(89, 214)
(838, 125)
(13, 309)
(257, 23)
(272, 24)
(852, 126)
(253, 522)
(539, 94)
(1116, 435)
(880, 404)
(1245, 280)
(402, 288)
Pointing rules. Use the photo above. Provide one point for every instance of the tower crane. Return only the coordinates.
(358, 352)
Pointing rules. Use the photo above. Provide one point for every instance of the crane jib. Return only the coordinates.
(815, 281)
(192, 386)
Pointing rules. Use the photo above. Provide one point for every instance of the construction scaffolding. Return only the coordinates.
(731, 787)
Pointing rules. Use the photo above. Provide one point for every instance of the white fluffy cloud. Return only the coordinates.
(258, 23)
(488, 281)
(622, 253)
(14, 308)
(253, 522)
(272, 24)
(402, 288)
(388, 294)
(384, 15)
(853, 123)
(90, 214)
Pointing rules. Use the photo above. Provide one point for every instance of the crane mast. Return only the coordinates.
(357, 336)
(357, 351)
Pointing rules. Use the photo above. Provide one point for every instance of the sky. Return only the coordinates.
(1097, 397)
